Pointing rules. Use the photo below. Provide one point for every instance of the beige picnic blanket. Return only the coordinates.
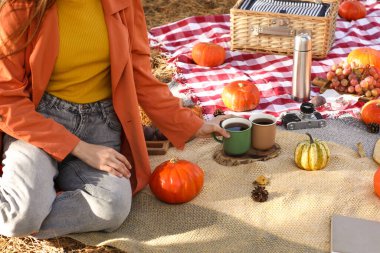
(224, 218)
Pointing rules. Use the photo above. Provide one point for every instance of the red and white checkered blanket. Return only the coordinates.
(271, 73)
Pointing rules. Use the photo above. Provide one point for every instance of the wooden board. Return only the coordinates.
(251, 156)
(157, 147)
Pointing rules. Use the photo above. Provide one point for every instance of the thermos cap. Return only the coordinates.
(302, 42)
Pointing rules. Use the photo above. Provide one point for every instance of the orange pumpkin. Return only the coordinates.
(365, 56)
(176, 181)
(370, 112)
(208, 54)
(376, 182)
(241, 96)
(352, 10)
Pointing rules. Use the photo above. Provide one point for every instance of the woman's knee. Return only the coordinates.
(120, 209)
(26, 190)
(24, 221)
(114, 205)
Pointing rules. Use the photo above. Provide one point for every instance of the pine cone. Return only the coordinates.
(218, 112)
(373, 128)
(259, 194)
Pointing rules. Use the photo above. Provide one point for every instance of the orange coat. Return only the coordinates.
(25, 76)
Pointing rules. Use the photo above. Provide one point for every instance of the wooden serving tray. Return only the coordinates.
(251, 156)
(157, 147)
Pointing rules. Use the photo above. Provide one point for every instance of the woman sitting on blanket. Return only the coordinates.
(72, 74)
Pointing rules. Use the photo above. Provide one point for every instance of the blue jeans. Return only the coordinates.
(91, 200)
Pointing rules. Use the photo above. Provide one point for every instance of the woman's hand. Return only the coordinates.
(213, 125)
(103, 158)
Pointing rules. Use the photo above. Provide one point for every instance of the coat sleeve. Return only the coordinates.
(177, 123)
(18, 117)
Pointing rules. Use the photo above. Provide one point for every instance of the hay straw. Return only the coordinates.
(160, 12)
(161, 70)
(56, 245)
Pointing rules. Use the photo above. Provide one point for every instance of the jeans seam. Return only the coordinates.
(93, 190)
(77, 172)
(77, 121)
(82, 178)
(113, 127)
(112, 121)
(68, 194)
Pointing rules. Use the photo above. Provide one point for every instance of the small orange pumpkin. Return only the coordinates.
(370, 112)
(176, 181)
(365, 56)
(376, 182)
(352, 10)
(208, 54)
(241, 96)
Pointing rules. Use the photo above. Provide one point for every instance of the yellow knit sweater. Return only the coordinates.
(82, 71)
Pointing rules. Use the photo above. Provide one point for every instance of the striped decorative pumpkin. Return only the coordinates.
(312, 154)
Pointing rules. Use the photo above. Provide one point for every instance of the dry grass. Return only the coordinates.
(57, 245)
(157, 12)
(160, 68)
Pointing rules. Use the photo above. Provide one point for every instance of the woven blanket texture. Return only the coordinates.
(271, 73)
(224, 218)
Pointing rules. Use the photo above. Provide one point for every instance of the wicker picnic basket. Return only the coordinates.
(274, 33)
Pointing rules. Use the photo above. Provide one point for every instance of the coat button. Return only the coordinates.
(1, 118)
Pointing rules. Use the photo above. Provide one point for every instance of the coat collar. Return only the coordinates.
(113, 6)
(118, 37)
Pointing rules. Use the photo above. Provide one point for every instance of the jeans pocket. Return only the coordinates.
(63, 116)
(112, 121)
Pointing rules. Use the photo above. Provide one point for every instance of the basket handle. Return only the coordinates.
(280, 26)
